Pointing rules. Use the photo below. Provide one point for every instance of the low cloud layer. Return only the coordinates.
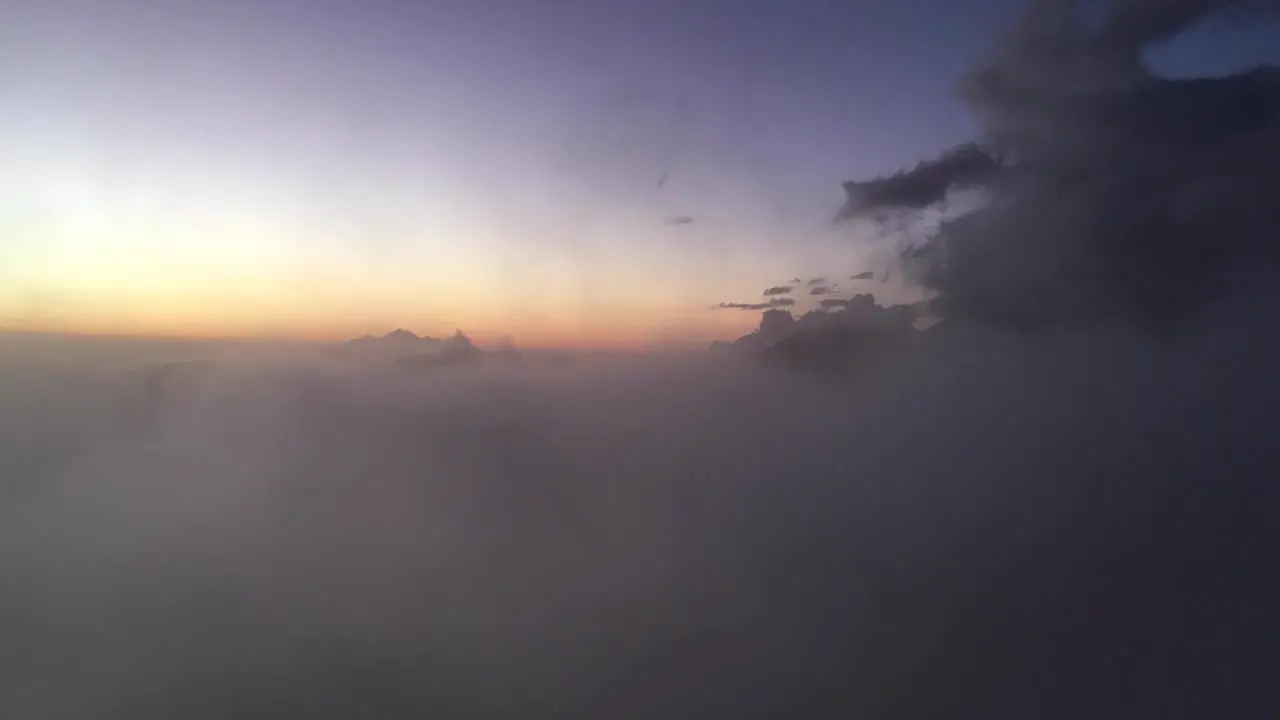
(987, 526)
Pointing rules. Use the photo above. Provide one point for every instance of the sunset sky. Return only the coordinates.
(328, 168)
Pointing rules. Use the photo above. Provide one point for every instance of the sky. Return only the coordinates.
(333, 168)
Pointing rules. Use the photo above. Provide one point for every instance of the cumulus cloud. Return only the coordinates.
(777, 290)
(1114, 195)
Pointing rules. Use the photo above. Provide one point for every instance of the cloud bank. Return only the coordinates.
(991, 525)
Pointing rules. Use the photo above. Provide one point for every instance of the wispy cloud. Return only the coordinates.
(774, 303)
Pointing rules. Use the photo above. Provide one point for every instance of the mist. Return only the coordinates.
(1020, 527)
(1057, 502)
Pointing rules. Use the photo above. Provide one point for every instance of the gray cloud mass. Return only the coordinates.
(1116, 196)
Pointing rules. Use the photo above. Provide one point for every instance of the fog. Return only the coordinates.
(1019, 527)
(1058, 502)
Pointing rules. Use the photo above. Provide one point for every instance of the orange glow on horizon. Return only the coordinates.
(634, 315)
(626, 331)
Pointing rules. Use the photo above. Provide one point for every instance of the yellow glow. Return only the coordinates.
(178, 320)
(221, 267)
(335, 311)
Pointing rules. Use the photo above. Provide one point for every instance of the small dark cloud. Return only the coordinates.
(833, 302)
(819, 290)
(924, 185)
(866, 275)
(777, 290)
(678, 220)
(816, 281)
(779, 302)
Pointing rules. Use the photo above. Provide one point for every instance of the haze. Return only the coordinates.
(358, 360)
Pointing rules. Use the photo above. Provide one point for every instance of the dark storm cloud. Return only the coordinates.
(1133, 25)
(777, 290)
(1119, 197)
